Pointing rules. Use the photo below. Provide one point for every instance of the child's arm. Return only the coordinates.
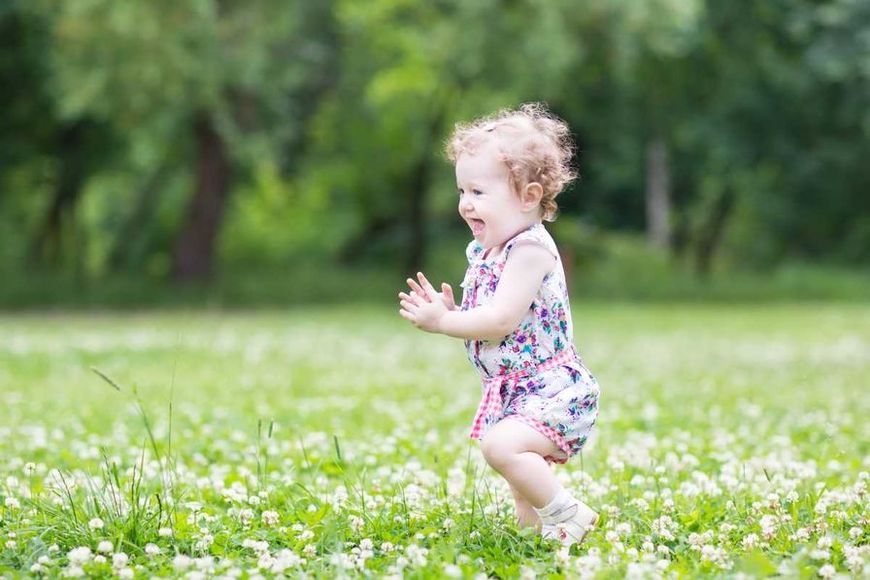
(519, 283)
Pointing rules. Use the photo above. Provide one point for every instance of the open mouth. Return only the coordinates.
(476, 226)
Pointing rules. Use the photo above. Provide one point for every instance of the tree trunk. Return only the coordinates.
(711, 234)
(194, 254)
(658, 194)
(46, 244)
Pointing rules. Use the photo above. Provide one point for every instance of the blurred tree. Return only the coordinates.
(216, 76)
(31, 133)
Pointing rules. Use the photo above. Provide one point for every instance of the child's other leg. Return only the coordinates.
(517, 452)
(527, 517)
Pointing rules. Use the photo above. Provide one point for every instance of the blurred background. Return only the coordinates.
(272, 152)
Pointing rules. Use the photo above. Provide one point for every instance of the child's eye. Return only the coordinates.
(476, 192)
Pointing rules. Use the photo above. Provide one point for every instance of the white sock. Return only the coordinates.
(566, 519)
(560, 509)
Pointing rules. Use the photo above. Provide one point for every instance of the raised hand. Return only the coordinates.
(418, 292)
(424, 306)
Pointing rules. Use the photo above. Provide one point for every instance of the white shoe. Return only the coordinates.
(574, 529)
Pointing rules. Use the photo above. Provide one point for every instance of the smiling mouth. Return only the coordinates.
(476, 226)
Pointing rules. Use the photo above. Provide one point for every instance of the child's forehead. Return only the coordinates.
(481, 164)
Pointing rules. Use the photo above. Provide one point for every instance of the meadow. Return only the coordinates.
(325, 442)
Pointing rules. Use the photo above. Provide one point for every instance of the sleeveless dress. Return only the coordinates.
(534, 374)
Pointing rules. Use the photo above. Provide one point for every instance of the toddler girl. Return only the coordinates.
(539, 401)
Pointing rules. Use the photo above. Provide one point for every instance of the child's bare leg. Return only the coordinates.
(517, 452)
(527, 517)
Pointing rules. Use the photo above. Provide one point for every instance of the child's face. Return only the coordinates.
(487, 202)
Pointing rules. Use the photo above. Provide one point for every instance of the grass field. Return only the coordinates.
(332, 441)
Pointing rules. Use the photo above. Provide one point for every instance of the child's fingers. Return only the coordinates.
(448, 293)
(416, 288)
(413, 298)
(427, 287)
(407, 315)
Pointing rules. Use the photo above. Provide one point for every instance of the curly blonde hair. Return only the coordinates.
(535, 145)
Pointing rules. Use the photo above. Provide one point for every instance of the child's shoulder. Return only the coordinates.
(537, 235)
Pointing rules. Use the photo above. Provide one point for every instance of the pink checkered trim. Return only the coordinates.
(491, 403)
(550, 434)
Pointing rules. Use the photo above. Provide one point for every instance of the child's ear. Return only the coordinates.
(532, 195)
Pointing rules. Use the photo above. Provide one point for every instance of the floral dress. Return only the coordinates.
(534, 374)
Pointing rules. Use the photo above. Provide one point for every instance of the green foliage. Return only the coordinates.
(334, 115)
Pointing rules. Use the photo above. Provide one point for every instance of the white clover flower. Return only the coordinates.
(310, 550)
(165, 532)
(38, 568)
(99, 559)
(73, 572)
(152, 549)
(827, 571)
(11, 544)
(12, 503)
(623, 528)
(387, 547)
(246, 515)
(125, 573)
(306, 535)
(356, 523)
(285, 559)
(825, 542)
(640, 503)
(416, 554)
(769, 524)
(29, 468)
(270, 517)
(96, 524)
(119, 560)
(78, 556)
(182, 562)
(105, 547)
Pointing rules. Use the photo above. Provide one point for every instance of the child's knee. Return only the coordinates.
(498, 452)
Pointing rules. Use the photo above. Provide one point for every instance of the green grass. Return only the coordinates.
(348, 428)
